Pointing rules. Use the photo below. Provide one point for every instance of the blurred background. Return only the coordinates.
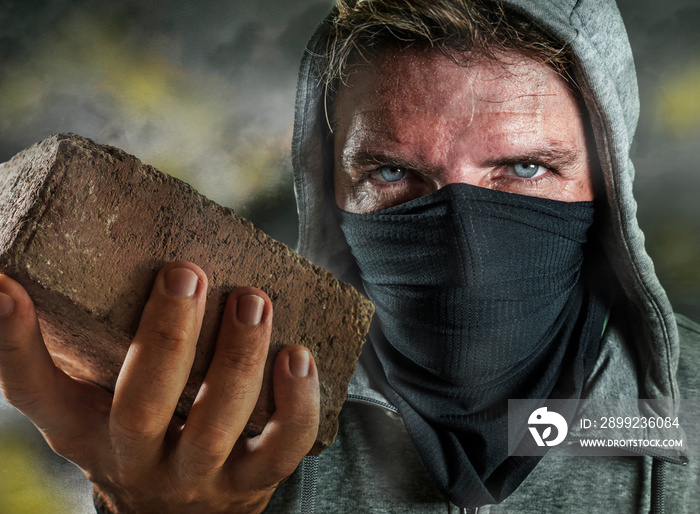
(205, 91)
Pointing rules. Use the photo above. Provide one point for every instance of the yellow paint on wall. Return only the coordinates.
(680, 99)
(24, 489)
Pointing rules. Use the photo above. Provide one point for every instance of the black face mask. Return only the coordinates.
(480, 298)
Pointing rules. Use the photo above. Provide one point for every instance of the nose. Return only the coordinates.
(461, 173)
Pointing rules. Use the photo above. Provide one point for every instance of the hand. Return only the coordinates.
(140, 457)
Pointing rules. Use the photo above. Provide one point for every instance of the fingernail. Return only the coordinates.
(250, 309)
(299, 362)
(7, 304)
(181, 282)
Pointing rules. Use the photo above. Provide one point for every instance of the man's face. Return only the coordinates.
(412, 122)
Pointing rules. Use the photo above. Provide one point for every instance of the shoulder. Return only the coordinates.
(681, 481)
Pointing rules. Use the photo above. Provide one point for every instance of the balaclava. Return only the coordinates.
(480, 298)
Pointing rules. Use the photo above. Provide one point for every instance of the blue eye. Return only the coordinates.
(528, 170)
(388, 174)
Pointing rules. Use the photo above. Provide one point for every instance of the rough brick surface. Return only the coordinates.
(86, 227)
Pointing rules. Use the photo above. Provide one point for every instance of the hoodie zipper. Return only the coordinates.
(309, 480)
(373, 401)
(309, 473)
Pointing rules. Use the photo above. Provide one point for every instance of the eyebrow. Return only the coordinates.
(552, 154)
(365, 158)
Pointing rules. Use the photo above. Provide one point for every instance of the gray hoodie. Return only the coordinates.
(373, 467)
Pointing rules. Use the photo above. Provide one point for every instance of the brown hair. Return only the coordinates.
(453, 27)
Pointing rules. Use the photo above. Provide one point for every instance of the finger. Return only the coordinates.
(32, 383)
(158, 363)
(232, 384)
(291, 431)
(27, 372)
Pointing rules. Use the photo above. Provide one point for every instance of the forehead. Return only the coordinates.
(416, 71)
(401, 94)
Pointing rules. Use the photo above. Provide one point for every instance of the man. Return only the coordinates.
(465, 163)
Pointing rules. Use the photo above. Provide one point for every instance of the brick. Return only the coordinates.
(86, 227)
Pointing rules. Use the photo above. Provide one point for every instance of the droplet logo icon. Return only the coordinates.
(544, 420)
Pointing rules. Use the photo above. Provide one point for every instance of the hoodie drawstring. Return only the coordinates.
(658, 481)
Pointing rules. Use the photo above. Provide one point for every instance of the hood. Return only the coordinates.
(606, 76)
